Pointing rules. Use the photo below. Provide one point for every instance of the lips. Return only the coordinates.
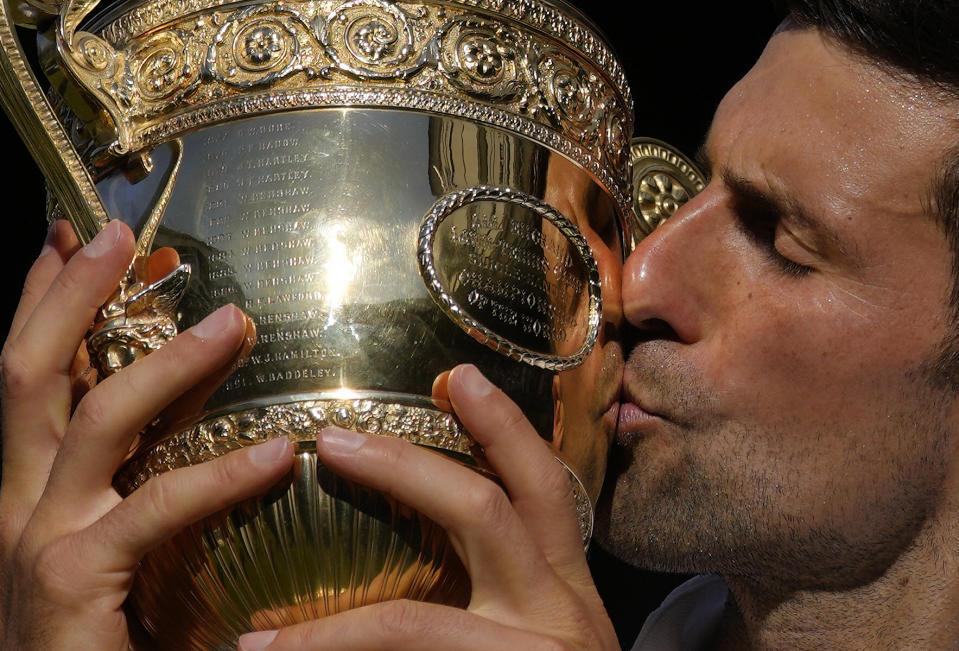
(633, 418)
(662, 387)
(635, 413)
(610, 417)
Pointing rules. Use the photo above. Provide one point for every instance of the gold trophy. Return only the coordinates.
(388, 188)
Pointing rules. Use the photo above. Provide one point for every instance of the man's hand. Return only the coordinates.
(68, 543)
(531, 588)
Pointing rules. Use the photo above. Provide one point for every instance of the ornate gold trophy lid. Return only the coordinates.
(160, 68)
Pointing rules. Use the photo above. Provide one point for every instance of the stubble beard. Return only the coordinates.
(715, 504)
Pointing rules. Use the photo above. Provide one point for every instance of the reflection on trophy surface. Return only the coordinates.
(388, 189)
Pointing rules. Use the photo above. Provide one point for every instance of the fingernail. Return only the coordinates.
(472, 381)
(339, 441)
(48, 240)
(105, 240)
(267, 454)
(223, 319)
(256, 641)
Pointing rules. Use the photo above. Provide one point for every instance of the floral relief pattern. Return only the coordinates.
(197, 66)
(300, 421)
(164, 66)
(254, 47)
(261, 45)
(378, 37)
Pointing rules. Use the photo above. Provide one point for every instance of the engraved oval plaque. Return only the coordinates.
(514, 273)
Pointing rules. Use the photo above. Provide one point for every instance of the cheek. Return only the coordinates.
(780, 355)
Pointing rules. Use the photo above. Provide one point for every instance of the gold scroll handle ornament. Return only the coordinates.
(140, 317)
(663, 180)
(35, 119)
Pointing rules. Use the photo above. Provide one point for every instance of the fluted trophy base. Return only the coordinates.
(315, 545)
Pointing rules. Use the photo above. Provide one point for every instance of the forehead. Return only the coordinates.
(819, 119)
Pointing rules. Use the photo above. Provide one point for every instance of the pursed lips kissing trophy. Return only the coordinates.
(388, 188)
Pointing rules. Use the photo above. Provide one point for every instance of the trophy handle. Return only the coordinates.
(138, 320)
(663, 180)
(140, 317)
(99, 70)
(149, 230)
(45, 137)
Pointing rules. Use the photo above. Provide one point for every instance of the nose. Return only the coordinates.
(669, 279)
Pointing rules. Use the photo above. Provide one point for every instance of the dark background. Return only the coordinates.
(680, 58)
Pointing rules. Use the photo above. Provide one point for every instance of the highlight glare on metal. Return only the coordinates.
(388, 188)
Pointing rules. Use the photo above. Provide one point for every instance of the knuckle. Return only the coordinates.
(160, 493)
(53, 569)
(512, 419)
(303, 636)
(177, 353)
(229, 469)
(489, 504)
(398, 620)
(133, 384)
(553, 479)
(392, 450)
(175, 361)
(16, 375)
(70, 282)
(37, 282)
(91, 414)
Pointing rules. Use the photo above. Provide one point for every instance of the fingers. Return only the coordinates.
(72, 587)
(440, 389)
(537, 484)
(108, 418)
(192, 402)
(61, 243)
(482, 526)
(52, 333)
(59, 304)
(168, 503)
(398, 626)
(160, 263)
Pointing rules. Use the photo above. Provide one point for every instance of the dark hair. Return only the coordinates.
(919, 38)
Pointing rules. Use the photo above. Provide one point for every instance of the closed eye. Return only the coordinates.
(760, 218)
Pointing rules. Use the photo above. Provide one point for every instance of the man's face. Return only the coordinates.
(779, 409)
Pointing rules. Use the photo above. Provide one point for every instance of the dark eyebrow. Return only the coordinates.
(747, 194)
